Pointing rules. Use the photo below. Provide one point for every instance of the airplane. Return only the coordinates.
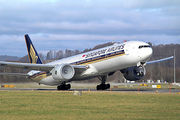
(128, 57)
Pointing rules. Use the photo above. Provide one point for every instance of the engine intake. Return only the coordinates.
(134, 73)
(63, 72)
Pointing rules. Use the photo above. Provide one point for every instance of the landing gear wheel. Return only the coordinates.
(103, 86)
(64, 87)
(68, 86)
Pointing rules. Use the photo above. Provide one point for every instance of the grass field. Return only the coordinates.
(56, 105)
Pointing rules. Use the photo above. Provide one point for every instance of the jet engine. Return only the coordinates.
(134, 73)
(63, 72)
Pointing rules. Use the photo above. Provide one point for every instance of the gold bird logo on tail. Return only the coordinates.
(33, 55)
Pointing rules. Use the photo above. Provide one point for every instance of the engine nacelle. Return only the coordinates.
(63, 72)
(134, 73)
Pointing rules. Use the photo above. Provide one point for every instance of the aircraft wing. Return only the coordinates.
(160, 60)
(40, 67)
(14, 74)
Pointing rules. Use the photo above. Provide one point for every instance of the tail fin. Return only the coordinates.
(32, 53)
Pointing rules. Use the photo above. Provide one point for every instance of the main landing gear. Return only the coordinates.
(103, 86)
(64, 86)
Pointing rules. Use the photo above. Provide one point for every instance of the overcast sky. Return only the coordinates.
(80, 24)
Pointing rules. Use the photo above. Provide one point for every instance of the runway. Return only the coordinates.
(148, 90)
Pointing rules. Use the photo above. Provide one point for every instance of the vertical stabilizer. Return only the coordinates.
(32, 53)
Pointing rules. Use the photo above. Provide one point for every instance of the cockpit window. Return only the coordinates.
(144, 46)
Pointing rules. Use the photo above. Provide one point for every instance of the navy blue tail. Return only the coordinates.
(32, 53)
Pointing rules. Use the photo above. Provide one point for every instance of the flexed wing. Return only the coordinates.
(160, 60)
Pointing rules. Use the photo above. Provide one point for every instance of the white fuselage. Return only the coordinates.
(105, 60)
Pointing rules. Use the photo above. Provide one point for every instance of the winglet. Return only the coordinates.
(32, 53)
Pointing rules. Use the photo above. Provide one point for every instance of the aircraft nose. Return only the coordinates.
(147, 54)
